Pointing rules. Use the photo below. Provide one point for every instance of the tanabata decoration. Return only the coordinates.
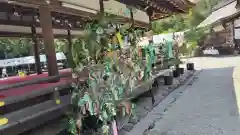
(111, 79)
(169, 45)
(106, 86)
(2, 103)
(3, 121)
(120, 39)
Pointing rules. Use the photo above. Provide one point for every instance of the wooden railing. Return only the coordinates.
(32, 109)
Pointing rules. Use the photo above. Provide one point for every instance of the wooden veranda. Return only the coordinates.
(49, 19)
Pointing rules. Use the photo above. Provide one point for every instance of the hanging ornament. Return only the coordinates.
(72, 127)
(3, 121)
(126, 12)
(114, 128)
(120, 39)
(58, 101)
(125, 40)
(105, 129)
(2, 104)
(99, 31)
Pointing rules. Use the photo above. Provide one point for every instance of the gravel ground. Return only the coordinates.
(205, 106)
(144, 104)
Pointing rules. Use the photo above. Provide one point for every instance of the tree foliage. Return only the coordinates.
(187, 23)
(11, 48)
(61, 45)
(182, 22)
(21, 47)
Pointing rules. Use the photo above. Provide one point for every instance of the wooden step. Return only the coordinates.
(31, 117)
(35, 97)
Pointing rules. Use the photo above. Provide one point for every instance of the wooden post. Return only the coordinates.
(47, 32)
(238, 3)
(69, 50)
(101, 13)
(36, 49)
(210, 5)
(131, 16)
(150, 22)
(69, 40)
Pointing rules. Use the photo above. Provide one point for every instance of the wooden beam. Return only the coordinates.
(175, 4)
(69, 50)
(131, 16)
(36, 49)
(101, 5)
(28, 3)
(29, 35)
(54, 6)
(23, 21)
(159, 7)
(238, 2)
(47, 31)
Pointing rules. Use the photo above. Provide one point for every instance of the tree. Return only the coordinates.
(12, 48)
(187, 22)
(181, 22)
(172, 24)
(61, 45)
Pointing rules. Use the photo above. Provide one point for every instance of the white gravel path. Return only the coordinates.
(207, 107)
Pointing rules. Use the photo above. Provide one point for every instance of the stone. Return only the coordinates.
(170, 89)
(159, 118)
(122, 132)
(159, 97)
(141, 113)
(152, 125)
(148, 108)
(151, 132)
(134, 120)
(146, 132)
(128, 127)
(166, 109)
(165, 93)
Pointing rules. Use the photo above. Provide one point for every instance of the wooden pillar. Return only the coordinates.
(69, 40)
(47, 32)
(69, 49)
(36, 49)
(101, 5)
(131, 16)
(150, 14)
(238, 2)
(150, 23)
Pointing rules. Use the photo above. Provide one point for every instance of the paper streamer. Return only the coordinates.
(114, 127)
(58, 101)
(21, 74)
(126, 40)
(119, 37)
(2, 103)
(3, 121)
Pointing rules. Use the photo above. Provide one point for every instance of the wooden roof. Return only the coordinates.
(224, 12)
(160, 8)
(24, 13)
